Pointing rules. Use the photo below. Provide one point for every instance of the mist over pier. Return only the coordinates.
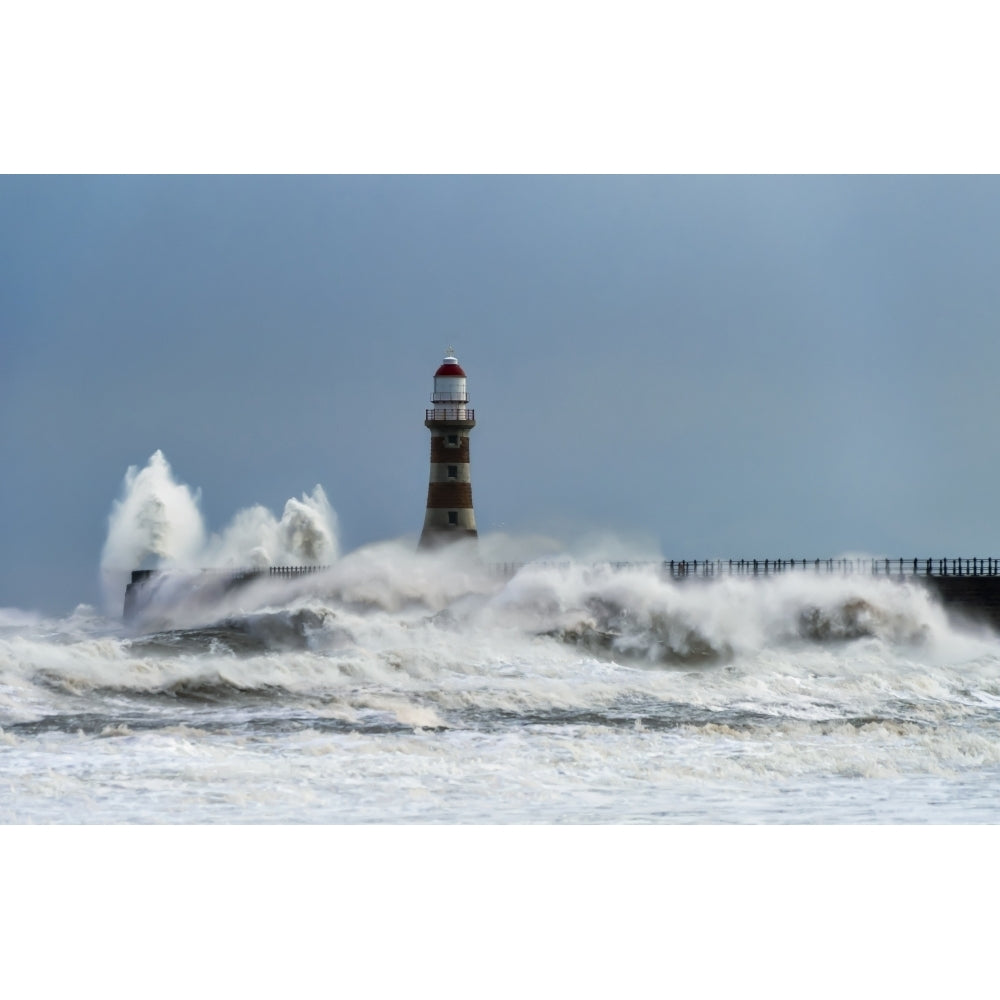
(967, 586)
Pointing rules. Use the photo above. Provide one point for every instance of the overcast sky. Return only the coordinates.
(714, 366)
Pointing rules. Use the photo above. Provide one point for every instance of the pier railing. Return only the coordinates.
(236, 575)
(702, 568)
(707, 568)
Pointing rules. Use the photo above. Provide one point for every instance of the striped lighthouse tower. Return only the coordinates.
(449, 514)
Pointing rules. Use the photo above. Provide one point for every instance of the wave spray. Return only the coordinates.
(157, 524)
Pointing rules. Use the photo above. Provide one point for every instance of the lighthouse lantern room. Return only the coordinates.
(449, 515)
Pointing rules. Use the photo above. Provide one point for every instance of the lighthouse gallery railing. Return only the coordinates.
(446, 413)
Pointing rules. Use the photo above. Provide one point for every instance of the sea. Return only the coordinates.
(487, 682)
(395, 687)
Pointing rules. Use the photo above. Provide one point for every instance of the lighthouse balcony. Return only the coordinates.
(450, 415)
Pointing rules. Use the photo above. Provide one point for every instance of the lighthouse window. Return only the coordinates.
(453, 517)
(453, 472)
(453, 439)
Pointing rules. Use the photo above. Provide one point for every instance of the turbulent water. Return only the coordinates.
(399, 688)
(404, 687)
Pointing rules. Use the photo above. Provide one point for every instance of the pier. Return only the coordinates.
(968, 587)
(217, 581)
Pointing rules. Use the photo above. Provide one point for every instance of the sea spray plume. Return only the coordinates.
(155, 524)
(156, 517)
(309, 528)
(306, 535)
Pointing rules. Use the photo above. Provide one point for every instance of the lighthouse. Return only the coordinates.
(449, 514)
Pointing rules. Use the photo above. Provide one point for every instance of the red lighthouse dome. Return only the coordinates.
(450, 367)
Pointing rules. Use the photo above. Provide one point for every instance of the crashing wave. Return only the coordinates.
(659, 637)
(857, 618)
(249, 635)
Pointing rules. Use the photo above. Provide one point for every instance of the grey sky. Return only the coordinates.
(724, 366)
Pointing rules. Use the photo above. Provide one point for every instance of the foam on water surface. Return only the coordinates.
(571, 693)
(396, 686)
